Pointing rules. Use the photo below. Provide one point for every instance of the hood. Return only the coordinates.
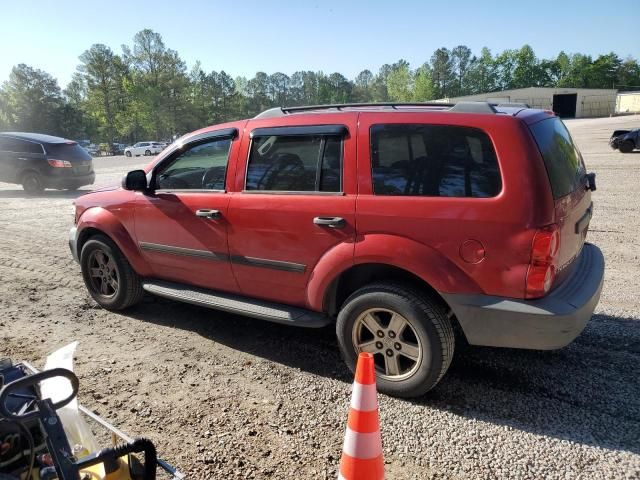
(107, 187)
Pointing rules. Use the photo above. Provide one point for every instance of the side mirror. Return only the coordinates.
(591, 181)
(135, 180)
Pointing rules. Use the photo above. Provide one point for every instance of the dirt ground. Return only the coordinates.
(230, 397)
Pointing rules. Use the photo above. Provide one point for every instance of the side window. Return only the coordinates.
(434, 161)
(295, 163)
(201, 167)
(20, 146)
(561, 157)
(31, 147)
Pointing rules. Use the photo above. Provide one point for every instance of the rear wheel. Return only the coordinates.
(626, 146)
(408, 333)
(147, 153)
(108, 276)
(32, 183)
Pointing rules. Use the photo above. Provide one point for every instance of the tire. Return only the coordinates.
(147, 153)
(102, 257)
(32, 183)
(427, 335)
(627, 146)
(127, 154)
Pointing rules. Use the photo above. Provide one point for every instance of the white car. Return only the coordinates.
(144, 148)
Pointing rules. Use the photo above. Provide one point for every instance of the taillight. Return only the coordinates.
(543, 268)
(59, 163)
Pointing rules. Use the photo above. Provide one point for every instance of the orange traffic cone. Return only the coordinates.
(362, 449)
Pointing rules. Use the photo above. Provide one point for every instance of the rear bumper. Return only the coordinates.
(546, 323)
(70, 181)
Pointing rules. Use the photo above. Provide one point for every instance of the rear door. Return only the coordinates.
(567, 175)
(181, 227)
(296, 202)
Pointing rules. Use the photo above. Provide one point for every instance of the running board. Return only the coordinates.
(260, 309)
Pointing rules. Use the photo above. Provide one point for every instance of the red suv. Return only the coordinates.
(396, 221)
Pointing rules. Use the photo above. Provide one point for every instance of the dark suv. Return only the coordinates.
(394, 221)
(625, 140)
(41, 161)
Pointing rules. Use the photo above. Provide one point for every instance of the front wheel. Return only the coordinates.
(408, 333)
(147, 153)
(626, 146)
(127, 153)
(108, 276)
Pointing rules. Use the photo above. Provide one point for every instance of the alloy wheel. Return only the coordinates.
(391, 339)
(103, 274)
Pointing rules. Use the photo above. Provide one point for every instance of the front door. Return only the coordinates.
(296, 203)
(181, 227)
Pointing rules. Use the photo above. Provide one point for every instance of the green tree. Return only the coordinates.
(400, 82)
(526, 70)
(505, 67)
(423, 89)
(483, 73)
(102, 73)
(363, 87)
(460, 60)
(31, 101)
(442, 73)
(603, 72)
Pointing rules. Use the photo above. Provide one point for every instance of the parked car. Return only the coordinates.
(93, 149)
(625, 140)
(394, 223)
(118, 148)
(41, 161)
(143, 148)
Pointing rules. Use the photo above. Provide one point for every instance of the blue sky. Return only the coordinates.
(344, 36)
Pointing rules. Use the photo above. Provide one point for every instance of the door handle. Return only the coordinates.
(331, 222)
(207, 213)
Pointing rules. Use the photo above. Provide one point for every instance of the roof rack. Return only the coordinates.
(468, 107)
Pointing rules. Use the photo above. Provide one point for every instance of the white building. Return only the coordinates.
(565, 102)
(628, 102)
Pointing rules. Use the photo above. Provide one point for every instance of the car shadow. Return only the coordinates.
(45, 194)
(587, 392)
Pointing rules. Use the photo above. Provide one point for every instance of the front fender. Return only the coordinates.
(98, 218)
(328, 268)
(421, 260)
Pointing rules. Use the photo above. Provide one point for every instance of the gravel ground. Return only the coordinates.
(230, 397)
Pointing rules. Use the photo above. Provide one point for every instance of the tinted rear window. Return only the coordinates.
(67, 151)
(433, 161)
(561, 157)
(19, 146)
(299, 163)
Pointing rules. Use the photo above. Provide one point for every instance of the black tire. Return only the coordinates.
(147, 153)
(32, 183)
(430, 327)
(129, 287)
(627, 146)
(127, 154)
